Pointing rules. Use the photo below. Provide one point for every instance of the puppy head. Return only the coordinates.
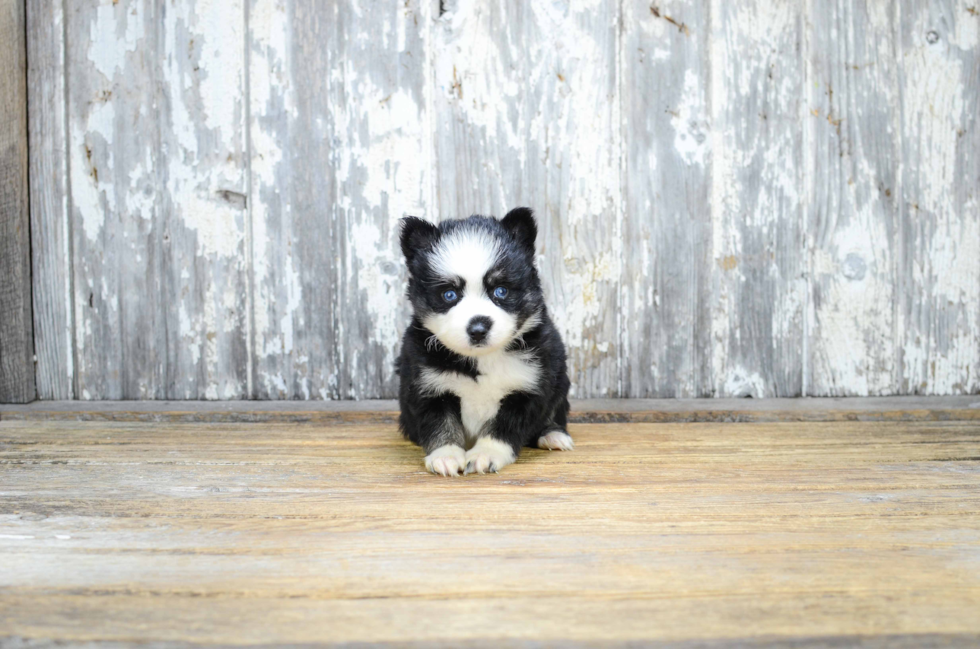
(472, 281)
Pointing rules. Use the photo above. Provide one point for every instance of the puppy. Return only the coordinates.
(482, 366)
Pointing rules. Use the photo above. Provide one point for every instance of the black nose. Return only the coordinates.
(478, 328)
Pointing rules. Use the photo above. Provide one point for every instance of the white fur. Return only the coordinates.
(446, 460)
(556, 440)
(500, 374)
(450, 327)
(469, 256)
(489, 454)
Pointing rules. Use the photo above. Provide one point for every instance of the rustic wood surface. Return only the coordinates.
(16, 329)
(667, 245)
(339, 139)
(526, 106)
(50, 226)
(835, 534)
(938, 47)
(757, 199)
(892, 241)
(297, 228)
(758, 269)
(583, 410)
(853, 215)
(157, 161)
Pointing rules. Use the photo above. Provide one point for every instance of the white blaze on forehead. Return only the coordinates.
(467, 254)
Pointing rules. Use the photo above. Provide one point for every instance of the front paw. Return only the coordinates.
(556, 440)
(446, 460)
(489, 456)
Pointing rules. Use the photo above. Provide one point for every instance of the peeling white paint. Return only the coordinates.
(505, 112)
(383, 290)
(583, 286)
(93, 194)
(189, 334)
(939, 95)
(691, 137)
(739, 382)
(966, 34)
(269, 82)
(110, 41)
(933, 112)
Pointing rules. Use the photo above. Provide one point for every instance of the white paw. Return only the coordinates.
(489, 455)
(446, 460)
(556, 440)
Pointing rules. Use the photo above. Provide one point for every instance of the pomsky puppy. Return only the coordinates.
(482, 366)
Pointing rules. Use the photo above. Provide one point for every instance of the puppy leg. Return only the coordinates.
(556, 440)
(444, 447)
(435, 425)
(518, 420)
(447, 460)
(555, 435)
(489, 455)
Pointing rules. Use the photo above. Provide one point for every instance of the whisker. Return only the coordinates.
(432, 343)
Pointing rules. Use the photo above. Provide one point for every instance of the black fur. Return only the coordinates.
(433, 421)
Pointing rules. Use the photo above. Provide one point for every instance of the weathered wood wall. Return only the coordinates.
(16, 336)
(761, 198)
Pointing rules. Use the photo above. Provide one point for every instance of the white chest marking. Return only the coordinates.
(500, 374)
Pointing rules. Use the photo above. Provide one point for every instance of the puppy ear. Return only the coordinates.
(520, 223)
(417, 235)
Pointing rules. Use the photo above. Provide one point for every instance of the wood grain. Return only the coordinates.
(157, 174)
(853, 222)
(480, 106)
(572, 156)
(583, 410)
(296, 237)
(50, 227)
(339, 131)
(716, 533)
(524, 121)
(16, 328)
(735, 199)
(667, 231)
(939, 85)
(759, 266)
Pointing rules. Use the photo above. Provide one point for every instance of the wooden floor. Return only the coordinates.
(679, 534)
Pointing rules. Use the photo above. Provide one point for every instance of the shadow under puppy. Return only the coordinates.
(482, 366)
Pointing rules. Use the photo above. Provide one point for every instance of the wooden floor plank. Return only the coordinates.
(705, 534)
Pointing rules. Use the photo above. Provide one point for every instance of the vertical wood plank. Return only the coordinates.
(480, 107)
(852, 217)
(758, 264)
(339, 133)
(527, 108)
(381, 118)
(296, 238)
(667, 268)
(156, 158)
(939, 282)
(572, 178)
(113, 111)
(16, 327)
(203, 165)
(50, 228)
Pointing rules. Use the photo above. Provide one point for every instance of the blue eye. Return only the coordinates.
(449, 296)
(500, 292)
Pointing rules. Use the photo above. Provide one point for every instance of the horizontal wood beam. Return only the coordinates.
(583, 410)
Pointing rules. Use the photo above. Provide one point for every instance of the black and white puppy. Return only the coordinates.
(482, 366)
